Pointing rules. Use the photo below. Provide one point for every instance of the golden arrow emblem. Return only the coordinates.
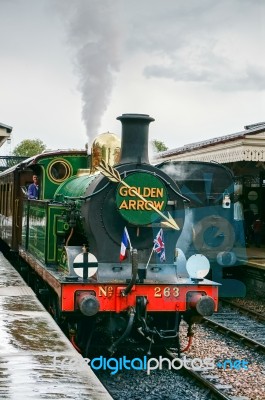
(113, 175)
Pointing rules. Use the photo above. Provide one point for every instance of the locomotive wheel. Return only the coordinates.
(54, 308)
(87, 337)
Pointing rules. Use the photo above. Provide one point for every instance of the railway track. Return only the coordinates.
(245, 310)
(240, 326)
(219, 383)
(208, 380)
(165, 384)
(244, 327)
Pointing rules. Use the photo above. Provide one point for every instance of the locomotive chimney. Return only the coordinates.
(134, 140)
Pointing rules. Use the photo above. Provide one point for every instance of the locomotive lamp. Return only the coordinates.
(226, 201)
(198, 266)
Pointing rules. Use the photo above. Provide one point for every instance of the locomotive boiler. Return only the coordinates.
(100, 244)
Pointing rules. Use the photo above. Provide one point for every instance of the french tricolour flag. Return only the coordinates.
(125, 242)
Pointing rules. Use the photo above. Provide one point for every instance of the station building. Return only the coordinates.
(7, 161)
(5, 132)
(243, 152)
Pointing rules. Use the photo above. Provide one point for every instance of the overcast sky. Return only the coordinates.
(70, 67)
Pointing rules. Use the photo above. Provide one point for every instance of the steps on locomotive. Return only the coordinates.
(36, 358)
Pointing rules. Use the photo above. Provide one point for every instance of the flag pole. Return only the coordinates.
(149, 258)
(128, 237)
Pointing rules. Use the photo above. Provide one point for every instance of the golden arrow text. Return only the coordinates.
(113, 175)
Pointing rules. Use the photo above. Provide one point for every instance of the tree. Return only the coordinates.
(158, 145)
(29, 148)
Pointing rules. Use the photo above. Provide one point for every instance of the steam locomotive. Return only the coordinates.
(112, 250)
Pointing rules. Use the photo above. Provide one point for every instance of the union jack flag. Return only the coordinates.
(159, 245)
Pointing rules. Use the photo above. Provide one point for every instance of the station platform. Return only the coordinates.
(256, 257)
(36, 359)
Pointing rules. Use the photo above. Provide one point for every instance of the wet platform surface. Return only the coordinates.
(36, 359)
(256, 257)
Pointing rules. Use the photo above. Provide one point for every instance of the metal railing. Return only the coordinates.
(9, 161)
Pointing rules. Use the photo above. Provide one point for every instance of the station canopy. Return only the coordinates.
(5, 132)
(247, 145)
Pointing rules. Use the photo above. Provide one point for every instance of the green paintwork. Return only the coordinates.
(74, 187)
(44, 227)
(57, 229)
(37, 230)
(48, 187)
(134, 209)
(44, 223)
(46, 230)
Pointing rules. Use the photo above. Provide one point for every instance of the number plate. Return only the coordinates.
(168, 291)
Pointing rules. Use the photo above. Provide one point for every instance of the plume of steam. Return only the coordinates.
(185, 239)
(176, 171)
(94, 35)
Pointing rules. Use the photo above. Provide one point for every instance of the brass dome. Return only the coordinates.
(107, 147)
